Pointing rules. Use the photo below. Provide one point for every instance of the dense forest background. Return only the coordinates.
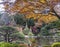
(31, 22)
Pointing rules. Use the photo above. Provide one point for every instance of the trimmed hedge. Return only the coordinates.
(57, 44)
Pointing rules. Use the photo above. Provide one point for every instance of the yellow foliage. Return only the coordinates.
(25, 10)
(31, 7)
(48, 18)
(28, 10)
(43, 1)
(35, 16)
(30, 15)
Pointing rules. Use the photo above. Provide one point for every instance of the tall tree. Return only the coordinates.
(20, 19)
(46, 28)
(10, 34)
(30, 22)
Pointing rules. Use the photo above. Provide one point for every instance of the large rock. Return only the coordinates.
(57, 9)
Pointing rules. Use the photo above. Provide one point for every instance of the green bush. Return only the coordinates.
(57, 44)
(5, 44)
(46, 46)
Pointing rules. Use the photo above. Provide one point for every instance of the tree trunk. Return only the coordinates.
(7, 37)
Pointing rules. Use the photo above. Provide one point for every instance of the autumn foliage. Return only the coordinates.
(28, 7)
